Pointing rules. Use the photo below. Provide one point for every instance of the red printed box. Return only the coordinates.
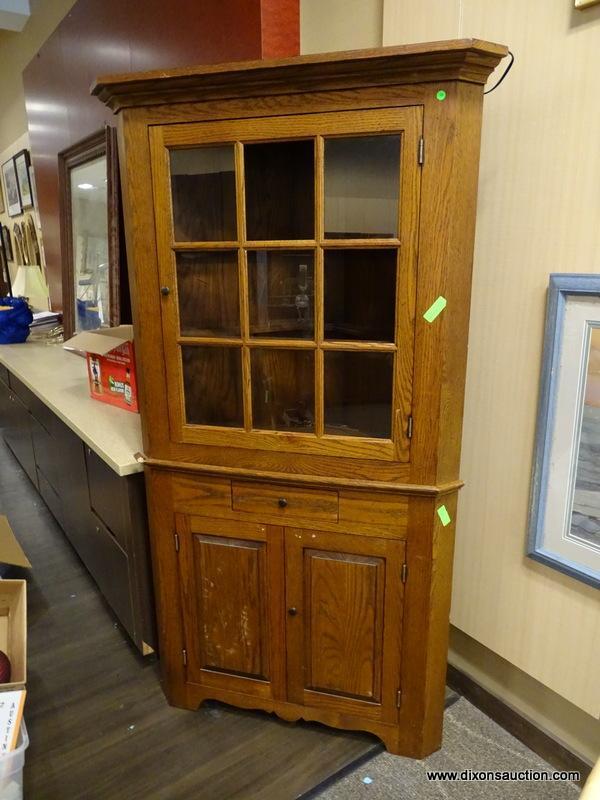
(111, 364)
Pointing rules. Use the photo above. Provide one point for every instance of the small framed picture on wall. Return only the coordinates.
(22, 163)
(11, 188)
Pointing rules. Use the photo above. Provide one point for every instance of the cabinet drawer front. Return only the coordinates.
(260, 498)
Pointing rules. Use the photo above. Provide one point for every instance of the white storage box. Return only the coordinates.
(11, 768)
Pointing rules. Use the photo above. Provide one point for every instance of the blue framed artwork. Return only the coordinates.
(564, 520)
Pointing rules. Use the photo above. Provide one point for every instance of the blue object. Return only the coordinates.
(88, 315)
(14, 324)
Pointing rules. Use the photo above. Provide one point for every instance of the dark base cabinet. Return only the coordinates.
(102, 514)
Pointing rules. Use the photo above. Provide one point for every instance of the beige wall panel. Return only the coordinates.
(329, 25)
(406, 21)
(566, 723)
(538, 212)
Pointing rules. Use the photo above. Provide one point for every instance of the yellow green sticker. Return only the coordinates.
(441, 95)
(435, 309)
(444, 515)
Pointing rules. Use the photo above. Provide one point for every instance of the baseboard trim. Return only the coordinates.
(518, 726)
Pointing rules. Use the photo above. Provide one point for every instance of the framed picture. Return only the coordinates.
(22, 163)
(6, 241)
(564, 524)
(11, 188)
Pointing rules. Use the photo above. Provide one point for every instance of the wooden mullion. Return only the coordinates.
(212, 341)
(360, 243)
(286, 344)
(369, 347)
(319, 393)
(247, 388)
(184, 246)
(319, 286)
(240, 199)
(280, 244)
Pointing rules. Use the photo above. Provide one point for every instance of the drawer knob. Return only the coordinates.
(164, 290)
(282, 502)
(292, 611)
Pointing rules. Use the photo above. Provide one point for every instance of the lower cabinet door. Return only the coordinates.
(344, 622)
(231, 576)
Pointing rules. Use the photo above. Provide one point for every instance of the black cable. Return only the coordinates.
(504, 74)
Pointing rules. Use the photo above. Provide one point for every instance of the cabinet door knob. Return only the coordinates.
(164, 290)
(292, 611)
(282, 502)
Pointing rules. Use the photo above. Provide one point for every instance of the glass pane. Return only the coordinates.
(207, 285)
(89, 220)
(212, 382)
(585, 515)
(358, 394)
(283, 393)
(281, 293)
(203, 192)
(362, 178)
(280, 192)
(360, 295)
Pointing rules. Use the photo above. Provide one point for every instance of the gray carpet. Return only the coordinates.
(471, 741)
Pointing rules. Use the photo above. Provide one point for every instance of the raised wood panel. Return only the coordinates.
(344, 598)
(285, 502)
(343, 623)
(229, 578)
(231, 594)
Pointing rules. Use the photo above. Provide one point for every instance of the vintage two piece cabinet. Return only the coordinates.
(288, 223)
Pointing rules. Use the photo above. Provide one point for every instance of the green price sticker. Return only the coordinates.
(441, 95)
(444, 515)
(435, 309)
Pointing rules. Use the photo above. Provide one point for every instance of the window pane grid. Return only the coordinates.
(355, 357)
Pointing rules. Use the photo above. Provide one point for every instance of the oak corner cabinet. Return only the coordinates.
(288, 224)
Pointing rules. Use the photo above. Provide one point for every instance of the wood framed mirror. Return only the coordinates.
(94, 280)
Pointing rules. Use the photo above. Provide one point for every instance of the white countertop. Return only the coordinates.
(59, 379)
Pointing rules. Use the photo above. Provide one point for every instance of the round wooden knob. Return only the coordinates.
(282, 502)
(292, 611)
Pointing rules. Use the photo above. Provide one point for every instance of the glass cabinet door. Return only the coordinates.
(287, 263)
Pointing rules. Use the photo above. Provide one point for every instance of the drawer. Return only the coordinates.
(285, 502)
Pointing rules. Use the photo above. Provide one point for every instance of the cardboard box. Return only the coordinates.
(13, 610)
(111, 364)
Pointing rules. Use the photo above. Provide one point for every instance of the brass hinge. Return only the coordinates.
(184, 653)
(409, 427)
(398, 698)
(404, 572)
(176, 536)
(421, 157)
